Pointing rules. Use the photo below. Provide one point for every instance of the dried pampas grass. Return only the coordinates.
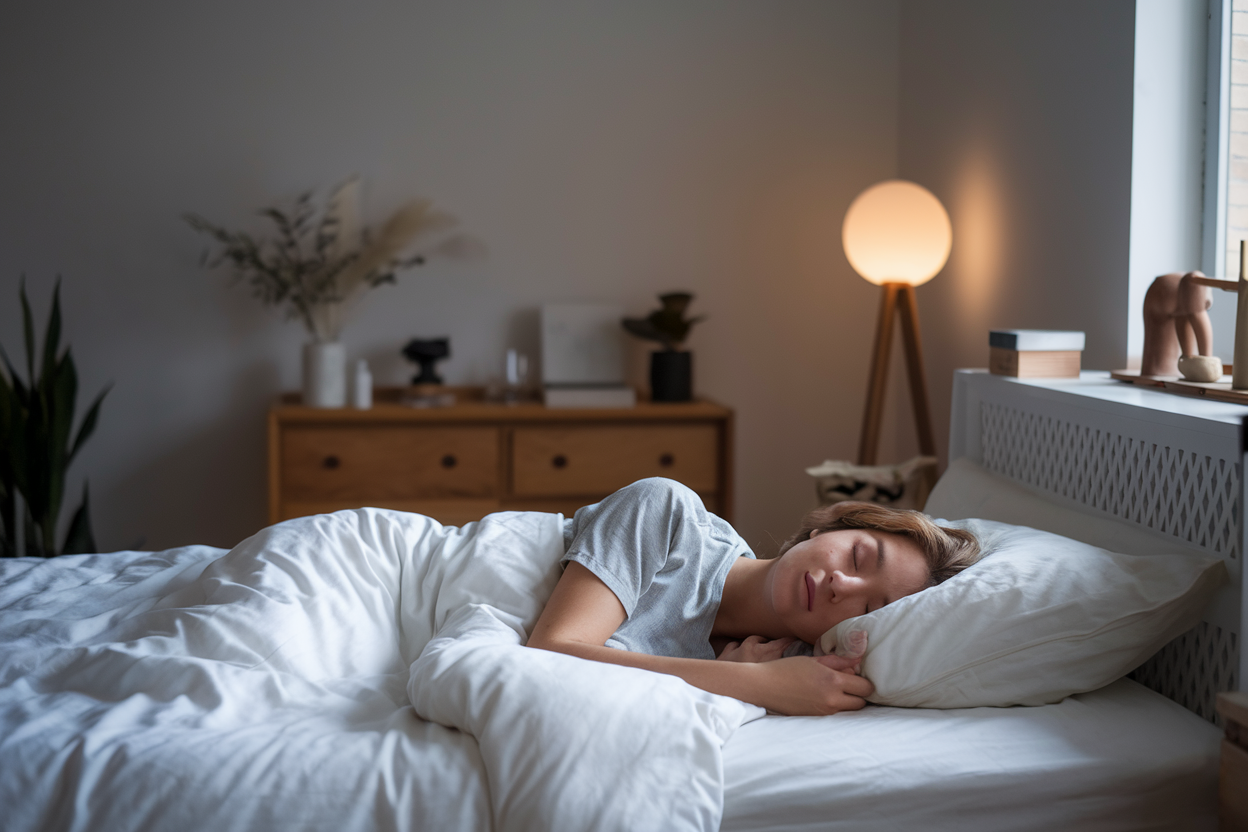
(320, 268)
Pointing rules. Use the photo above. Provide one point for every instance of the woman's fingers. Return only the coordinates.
(755, 649)
(805, 686)
(852, 703)
(844, 664)
(778, 646)
(857, 686)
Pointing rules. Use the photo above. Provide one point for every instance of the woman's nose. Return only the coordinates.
(843, 584)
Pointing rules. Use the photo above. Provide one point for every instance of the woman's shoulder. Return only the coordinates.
(661, 487)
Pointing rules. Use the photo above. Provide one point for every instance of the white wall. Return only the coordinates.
(1018, 116)
(598, 149)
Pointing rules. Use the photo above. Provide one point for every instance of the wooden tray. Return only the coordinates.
(1217, 390)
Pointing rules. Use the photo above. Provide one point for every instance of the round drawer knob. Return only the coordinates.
(666, 461)
(449, 461)
(559, 461)
(331, 462)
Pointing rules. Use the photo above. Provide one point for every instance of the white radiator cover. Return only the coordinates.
(1169, 464)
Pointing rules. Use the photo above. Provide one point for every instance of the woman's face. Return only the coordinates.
(838, 575)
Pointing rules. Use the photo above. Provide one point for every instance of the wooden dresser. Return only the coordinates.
(462, 462)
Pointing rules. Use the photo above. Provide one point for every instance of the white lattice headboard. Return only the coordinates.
(1169, 464)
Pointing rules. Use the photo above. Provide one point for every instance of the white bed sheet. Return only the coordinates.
(1121, 758)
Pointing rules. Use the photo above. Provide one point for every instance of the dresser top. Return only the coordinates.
(472, 407)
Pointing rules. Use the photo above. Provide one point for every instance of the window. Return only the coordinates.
(1226, 138)
(1236, 166)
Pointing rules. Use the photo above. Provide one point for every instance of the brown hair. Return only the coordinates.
(948, 551)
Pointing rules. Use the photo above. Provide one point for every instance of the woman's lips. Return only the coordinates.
(810, 592)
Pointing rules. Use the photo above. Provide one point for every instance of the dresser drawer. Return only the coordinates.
(388, 462)
(594, 460)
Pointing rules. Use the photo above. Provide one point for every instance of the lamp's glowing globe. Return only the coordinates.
(897, 232)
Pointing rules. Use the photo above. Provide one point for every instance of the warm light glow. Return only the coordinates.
(897, 232)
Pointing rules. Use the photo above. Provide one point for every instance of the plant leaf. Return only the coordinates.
(80, 540)
(34, 542)
(15, 448)
(52, 335)
(63, 389)
(28, 328)
(88, 423)
(18, 387)
(9, 445)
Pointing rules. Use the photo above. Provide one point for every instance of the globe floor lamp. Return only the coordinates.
(897, 235)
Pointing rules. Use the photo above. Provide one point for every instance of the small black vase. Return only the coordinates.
(671, 376)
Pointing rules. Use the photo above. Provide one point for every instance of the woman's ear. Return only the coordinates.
(814, 533)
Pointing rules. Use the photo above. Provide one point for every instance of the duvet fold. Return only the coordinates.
(360, 670)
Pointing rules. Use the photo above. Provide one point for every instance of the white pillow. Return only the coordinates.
(1039, 618)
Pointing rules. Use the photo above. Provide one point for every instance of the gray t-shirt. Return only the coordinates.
(665, 557)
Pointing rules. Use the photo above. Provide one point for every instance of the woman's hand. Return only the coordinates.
(804, 686)
(755, 649)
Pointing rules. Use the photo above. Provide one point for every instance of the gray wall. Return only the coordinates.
(599, 150)
(1018, 116)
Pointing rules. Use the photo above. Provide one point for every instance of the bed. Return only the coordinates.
(323, 676)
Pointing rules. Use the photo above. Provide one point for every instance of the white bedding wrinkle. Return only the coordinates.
(267, 688)
(576, 744)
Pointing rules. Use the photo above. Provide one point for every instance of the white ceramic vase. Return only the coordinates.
(324, 374)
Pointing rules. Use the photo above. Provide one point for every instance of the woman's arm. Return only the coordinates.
(583, 613)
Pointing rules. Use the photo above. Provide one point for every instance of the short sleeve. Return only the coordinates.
(625, 540)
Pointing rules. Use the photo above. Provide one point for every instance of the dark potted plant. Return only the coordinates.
(36, 421)
(671, 369)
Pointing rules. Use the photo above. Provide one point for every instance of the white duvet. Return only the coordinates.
(359, 670)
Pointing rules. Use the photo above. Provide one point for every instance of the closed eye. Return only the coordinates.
(855, 557)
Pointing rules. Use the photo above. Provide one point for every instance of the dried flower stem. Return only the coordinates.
(319, 268)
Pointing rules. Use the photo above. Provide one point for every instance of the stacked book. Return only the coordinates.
(1035, 353)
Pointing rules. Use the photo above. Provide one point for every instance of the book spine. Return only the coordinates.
(1035, 363)
(1035, 340)
(1003, 340)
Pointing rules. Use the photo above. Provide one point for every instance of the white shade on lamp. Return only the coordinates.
(896, 234)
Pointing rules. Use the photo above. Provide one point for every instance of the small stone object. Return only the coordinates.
(1202, 368)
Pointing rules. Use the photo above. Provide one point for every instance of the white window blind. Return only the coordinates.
(1237, 123)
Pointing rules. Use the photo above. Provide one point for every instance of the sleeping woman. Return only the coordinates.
(653, 580)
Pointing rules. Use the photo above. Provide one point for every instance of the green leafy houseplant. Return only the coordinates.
(36, 421)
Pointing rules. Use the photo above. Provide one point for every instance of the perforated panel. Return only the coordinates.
(1193, 668)
(1175, 491)
(1189, 496)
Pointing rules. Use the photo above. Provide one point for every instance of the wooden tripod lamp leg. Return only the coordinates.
(879, 376)
(914, 366)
